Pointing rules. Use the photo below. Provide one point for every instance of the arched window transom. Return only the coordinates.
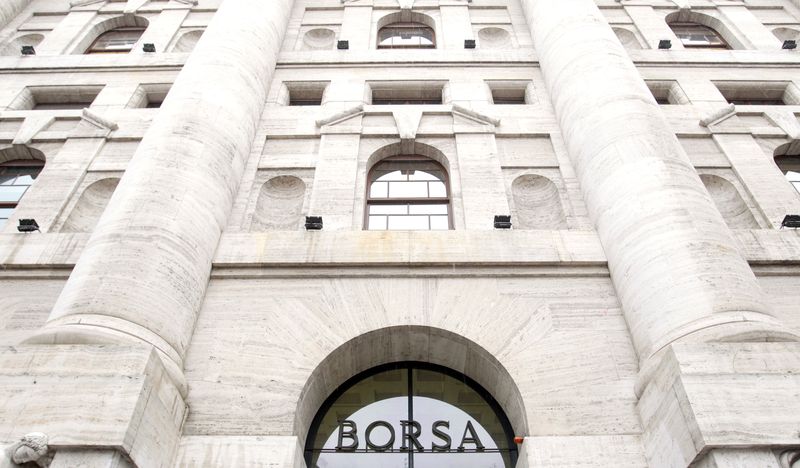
(408, 193)
(694, 35)
(116, 41)
(15, 179)
(790, 166)
(410, 414)
(406, 36)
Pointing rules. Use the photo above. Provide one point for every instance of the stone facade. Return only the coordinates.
(173, 311)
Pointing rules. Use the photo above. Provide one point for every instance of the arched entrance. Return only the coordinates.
(410, 414)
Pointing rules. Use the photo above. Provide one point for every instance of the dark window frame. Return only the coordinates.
(92, 51)
(413, 25)
(372, 201)
(32, 163)
(700, 28)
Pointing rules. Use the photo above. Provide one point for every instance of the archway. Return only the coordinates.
(401, 344)
(708, 21)
(411, 414)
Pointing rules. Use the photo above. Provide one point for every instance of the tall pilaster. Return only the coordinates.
(674, 263)
(143, 274)
(9, 9)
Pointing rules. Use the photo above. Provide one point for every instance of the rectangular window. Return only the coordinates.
(667, 92)
(510, 92)
(759, 93)
(305, 93)
(149, 96)
(406, 92)
(55, 97)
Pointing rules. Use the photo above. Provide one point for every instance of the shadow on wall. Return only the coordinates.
(729, 203)
(537, 204)
(86, 213)
(188, 41)
(628, 39)
(280, 205)
(14, 47)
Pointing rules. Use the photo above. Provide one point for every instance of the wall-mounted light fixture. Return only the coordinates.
(28, 225)
(502, 221)
(791, 221)
(313, 223)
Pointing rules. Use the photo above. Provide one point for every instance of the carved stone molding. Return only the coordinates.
(31, 448)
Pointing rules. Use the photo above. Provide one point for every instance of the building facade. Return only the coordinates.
(275, 234)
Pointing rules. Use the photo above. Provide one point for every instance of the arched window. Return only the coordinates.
(694, 35)
(409, 35)
(116, 41)
(410, 414)
(790, 166)
(408, 193)
(15, 179)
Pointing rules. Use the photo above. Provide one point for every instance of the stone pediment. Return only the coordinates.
(405, 121)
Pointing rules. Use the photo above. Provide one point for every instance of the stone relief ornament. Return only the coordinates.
(31, 448)
(790, 459)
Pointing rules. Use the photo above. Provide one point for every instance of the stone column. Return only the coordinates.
(673, 261)
(9, 9)
(143, 274)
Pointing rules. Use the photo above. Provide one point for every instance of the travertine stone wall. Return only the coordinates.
(10, 8)
(676, 268)
(145, 270)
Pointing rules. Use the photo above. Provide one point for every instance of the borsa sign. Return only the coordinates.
(411, 431)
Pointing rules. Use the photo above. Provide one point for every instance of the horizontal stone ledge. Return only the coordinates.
(676, 58)
(516, 248)
(96, 62)
(390, 271)
(407, 58)
(410, 248)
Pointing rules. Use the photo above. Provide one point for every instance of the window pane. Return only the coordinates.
(408, 223)
(408, 190)
(120, 40)
(24, 180)
(3, 222)
(413, 35)
(438, 190)
(428, 209)
(379, 190)
(390, 175)
(11, 194)
(7, 179)
(388, 209)
(440, 223)
(793, 176)
(422, 175)
(6, 212)
(376, 223)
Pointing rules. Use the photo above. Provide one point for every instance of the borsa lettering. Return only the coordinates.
(411, 431)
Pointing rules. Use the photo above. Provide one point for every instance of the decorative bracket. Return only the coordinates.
(98, 121)
(718, 116)
(341, 116)
(82, 3)
(477, 116)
